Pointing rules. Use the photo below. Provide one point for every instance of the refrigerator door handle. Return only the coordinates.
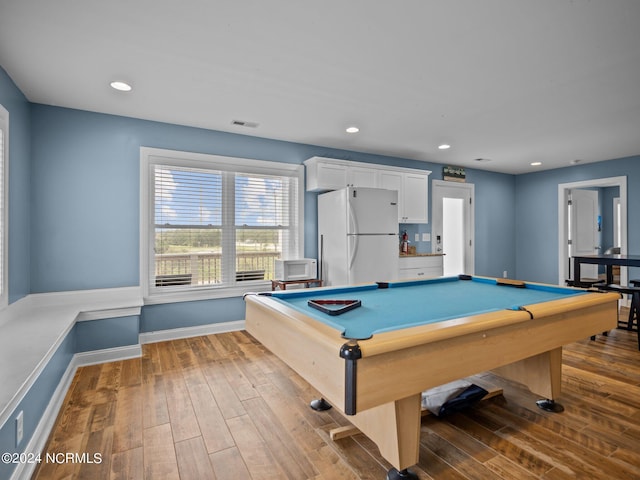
(353, 235)
(353, 220)
(353, 249)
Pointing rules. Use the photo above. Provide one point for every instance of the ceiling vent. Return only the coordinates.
(242, 123)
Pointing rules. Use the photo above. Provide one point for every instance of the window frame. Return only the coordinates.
(150, 157)
(4, 208)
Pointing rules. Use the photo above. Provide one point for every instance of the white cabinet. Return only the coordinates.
(412, 194)
(420, 266)
(362, 177)
(323, 175)
(415, 198)
(412, 185)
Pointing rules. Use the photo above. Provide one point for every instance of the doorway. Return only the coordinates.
(453, 225)
(583, 214)
(565, 266)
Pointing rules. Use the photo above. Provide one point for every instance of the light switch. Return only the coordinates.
(426, 237)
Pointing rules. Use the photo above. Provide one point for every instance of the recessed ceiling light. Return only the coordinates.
(444, 146)
(575, 162)
(482, 159)
(352, 130)
(536, 164)
(121, 86)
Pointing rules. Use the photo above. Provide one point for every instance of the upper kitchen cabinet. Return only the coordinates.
(362, 177)
(325, 174)
(413, 193)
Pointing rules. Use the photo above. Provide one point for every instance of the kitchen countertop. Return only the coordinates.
(421, 255)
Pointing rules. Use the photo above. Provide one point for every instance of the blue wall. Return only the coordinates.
(85, 203)
(74, 217)
(537, 214)
(19, 109)
(86, 194)
(74, 201)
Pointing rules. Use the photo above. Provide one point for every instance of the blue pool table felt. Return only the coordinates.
(407, 304)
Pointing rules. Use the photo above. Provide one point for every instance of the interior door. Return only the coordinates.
(583, 228)
(453, 226)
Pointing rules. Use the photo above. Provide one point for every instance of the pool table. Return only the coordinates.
(373, 362)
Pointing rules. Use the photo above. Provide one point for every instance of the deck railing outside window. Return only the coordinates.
(206, 268)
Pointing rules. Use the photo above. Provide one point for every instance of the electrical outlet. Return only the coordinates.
(426, 237)
(417, 237)
(504, 274)
(19, 427)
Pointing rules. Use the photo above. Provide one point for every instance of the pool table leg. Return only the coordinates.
(320, 405)
(395, 428)
(542, 374)
(395, 474)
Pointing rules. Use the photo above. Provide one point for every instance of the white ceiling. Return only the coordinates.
(511, 81)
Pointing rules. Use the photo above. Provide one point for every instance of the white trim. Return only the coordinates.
(4, 206)
(106, 355)
(204, 293)
(187, 332)
(198, 160)
(150, 156)
(470, 250)
(59, 311)
(38, 440)
(563, 234)
(33, 376)
(91, 300)
(108, 313)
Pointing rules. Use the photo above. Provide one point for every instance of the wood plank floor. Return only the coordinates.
(223, 407)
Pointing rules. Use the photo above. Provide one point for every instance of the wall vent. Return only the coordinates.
(242, 123)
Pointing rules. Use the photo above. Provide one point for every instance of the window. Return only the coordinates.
(214, 226)
(4, 162)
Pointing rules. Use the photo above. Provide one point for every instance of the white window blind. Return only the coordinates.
(220, 223)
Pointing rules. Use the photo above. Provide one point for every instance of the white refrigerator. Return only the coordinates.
(358, 236)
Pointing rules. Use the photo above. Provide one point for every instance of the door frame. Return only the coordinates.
(580, 245)
(563, 234)
(470, 263)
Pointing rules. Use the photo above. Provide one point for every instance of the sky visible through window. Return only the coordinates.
(193, 197)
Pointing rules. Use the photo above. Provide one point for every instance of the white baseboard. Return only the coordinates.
(107, 355)
(186, 332)
(38, 441)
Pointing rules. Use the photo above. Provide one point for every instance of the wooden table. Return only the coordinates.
(282, 284)
(608, 260)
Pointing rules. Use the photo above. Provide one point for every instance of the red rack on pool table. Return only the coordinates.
(373, 362)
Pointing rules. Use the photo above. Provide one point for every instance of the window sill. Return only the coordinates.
(198, 294)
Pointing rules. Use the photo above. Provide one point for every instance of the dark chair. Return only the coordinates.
(615, 268)
(635, 304)
(634, 309)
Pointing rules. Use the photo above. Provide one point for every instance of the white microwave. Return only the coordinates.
(299, 269)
